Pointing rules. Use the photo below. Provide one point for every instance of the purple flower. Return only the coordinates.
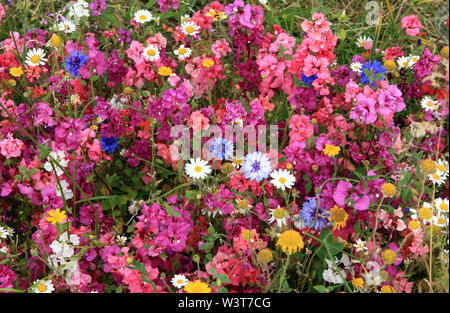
(391, 101)
(124, 35)
(364, 111)
(97, 7)
(165, 5)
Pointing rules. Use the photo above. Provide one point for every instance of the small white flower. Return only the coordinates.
(298, 221)
(442, 166)
(428, 104)
(182, 52)
(43, 286)
(185, 18)
(67, 27)
(356, 67)
(360, 245)
(282, 179)
(151, 53)
(280, 215)
(440, 220)
(190, 28)
(143, 16)
(362, 40)
(60, 157)
(68, 194)
(3, 233)
(179, 281)
(437, 178)
(121, 240)
(78, 10)
(35, 57)
(404, 62)
(198, 169)
(4, 249)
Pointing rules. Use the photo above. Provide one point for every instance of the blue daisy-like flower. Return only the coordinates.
(308, 79)
(313, 216)
(221, 149)
(75, 61)
(371, 72)
(109, 145)
(256, 166)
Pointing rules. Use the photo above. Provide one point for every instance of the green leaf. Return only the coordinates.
(214, 272)
(224, 278)
(321, 289)
(358, 228)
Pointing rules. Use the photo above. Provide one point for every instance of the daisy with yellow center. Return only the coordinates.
(356, 67)
(282, 179)
(151, 53)
(339, 216)
(243, 207)
(43, 286)
(207, 63)
(16, 71)
(143, 16)
(362, 40)
(279, 215)
(56, 216)
(440, 220)
(197, 287)
(190, 28)
(185, 18)
(290, 241)
(441, 205)
(237, 162)
(414, 59)
(165, 71)
(442, 166)
(179, 281)
(198, 169)
(437, 178)
(183, 52)
(35, 57)
(404, 62)
(55, 41)
(331, 150)
(428, 104)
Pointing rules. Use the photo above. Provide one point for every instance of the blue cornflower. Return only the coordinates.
(221, 149)
(308, 79)
(109, 145)
(75, 61)
(314, 217)
(371, 72)
(256, 166)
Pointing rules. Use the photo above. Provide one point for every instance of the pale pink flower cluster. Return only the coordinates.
(412, 25)
(11, 147)
(315, 53)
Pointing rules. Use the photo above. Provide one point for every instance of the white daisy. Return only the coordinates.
(280, 215)
(437, 178)
(157, 20)
(198, 169)
(282, 179)
(78, 9)
(3, 233)
(428, 104)
(9, 231)
(190, 28)
(237, 162)
(262, 1)
(243, 207)
(185, 18)
(441, 205)
(182, 52)
(360, 245)
(68, 194)
(35, 57)
(356, 67)
(442, 166)
(66, 27)
(404, 62)
(121, 240)
(362, 40)
(151, 53)
(43, 286)
(143, 16)
(440, 220)
(179, 281)
(4, 249)
(414, 59)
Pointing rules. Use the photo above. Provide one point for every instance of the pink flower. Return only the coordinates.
(412, 25)
(220, 48)
(198, 121)
(301, 128)
(10, 147)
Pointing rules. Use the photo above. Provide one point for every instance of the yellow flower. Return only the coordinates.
(388, 189)
(165, 71)
(127, 90)
(331, 150)
(413, 225)
(55, 41)
(387, 289)
(56, 216)
(247, 234)
(265, 255)
(207, 63)
(389, 256)
(16, 71)
(389, 65)
(197, 287)
(290, 241)
(429, 166)
(425, 213)
(339, 216)
(358, 283)
(444, 52)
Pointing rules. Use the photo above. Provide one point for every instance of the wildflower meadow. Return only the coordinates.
(230, 146)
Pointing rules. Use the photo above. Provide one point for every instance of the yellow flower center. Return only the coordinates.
(55, 41)
(279, 213)
(425, 213)
(436, 176)
(35, 59)
(151, 52)
(413, 225)
(143, 17)
(389, 256)
(42, 288)
(242, 204)
(441, 167)
(265, 255)
(429, 104)
(441, 221)
(388, 189)
(198, 169)
(444, 207)
(189, 29)
(429, 166)
(405, 63)
(179, 281)
(207, 63)
(282, 180)
(182, 51)
(197, 287)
